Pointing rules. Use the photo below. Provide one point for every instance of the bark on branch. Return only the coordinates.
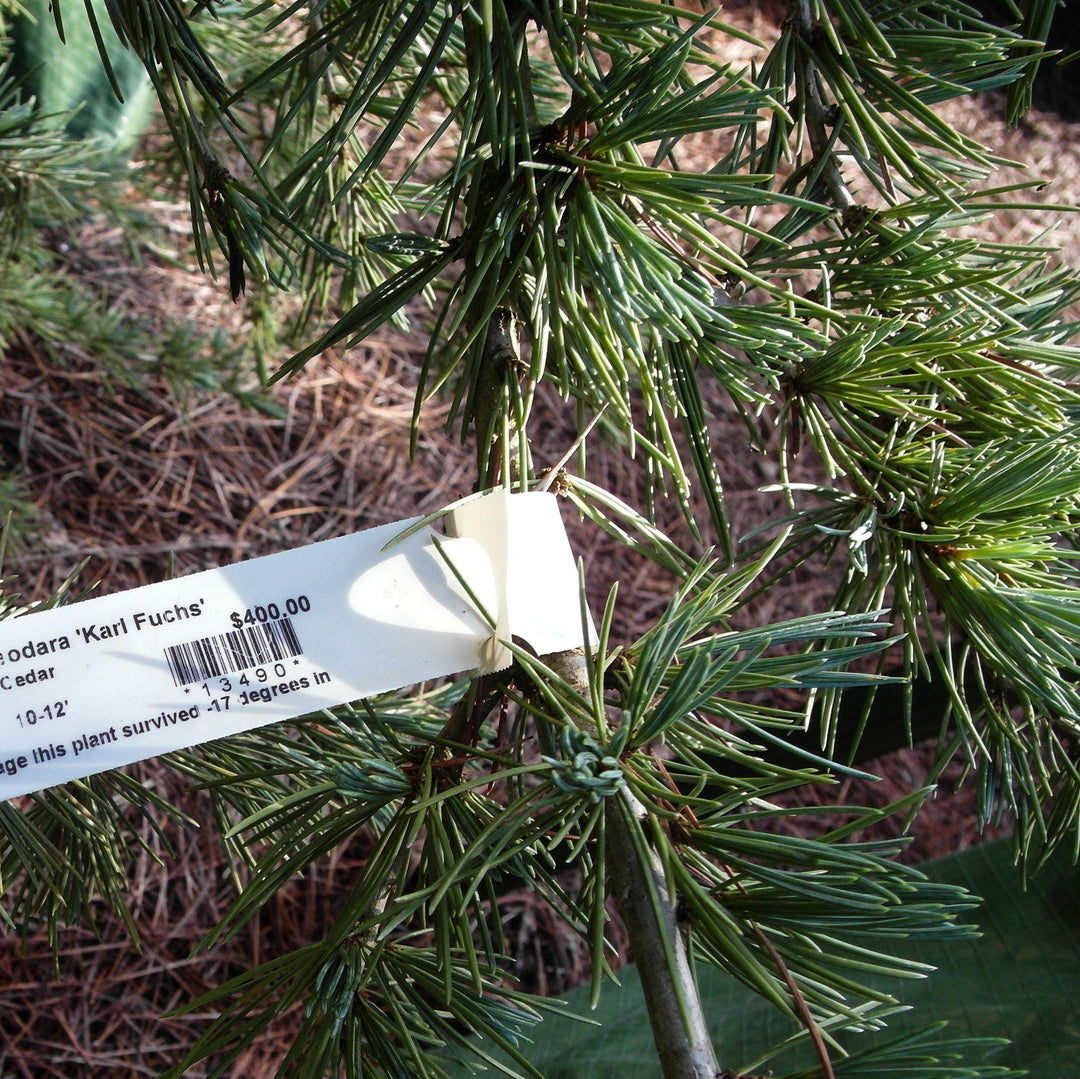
(657, 946)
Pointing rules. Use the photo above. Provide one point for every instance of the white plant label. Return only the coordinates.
(116, 679)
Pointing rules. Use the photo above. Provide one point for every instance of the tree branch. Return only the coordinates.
(657, 947)
(818, 114)
(649, 912)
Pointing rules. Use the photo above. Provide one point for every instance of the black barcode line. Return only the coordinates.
(234, 650)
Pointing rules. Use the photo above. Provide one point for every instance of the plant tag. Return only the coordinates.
(116, 679)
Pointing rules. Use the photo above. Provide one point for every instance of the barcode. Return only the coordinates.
(234, 650)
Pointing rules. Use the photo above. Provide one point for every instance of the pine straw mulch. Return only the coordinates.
(146, 484)
(102, 1009)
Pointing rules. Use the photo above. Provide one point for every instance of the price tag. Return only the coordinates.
(116, 679)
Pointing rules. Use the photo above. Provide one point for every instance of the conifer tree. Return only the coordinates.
(825, 274)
